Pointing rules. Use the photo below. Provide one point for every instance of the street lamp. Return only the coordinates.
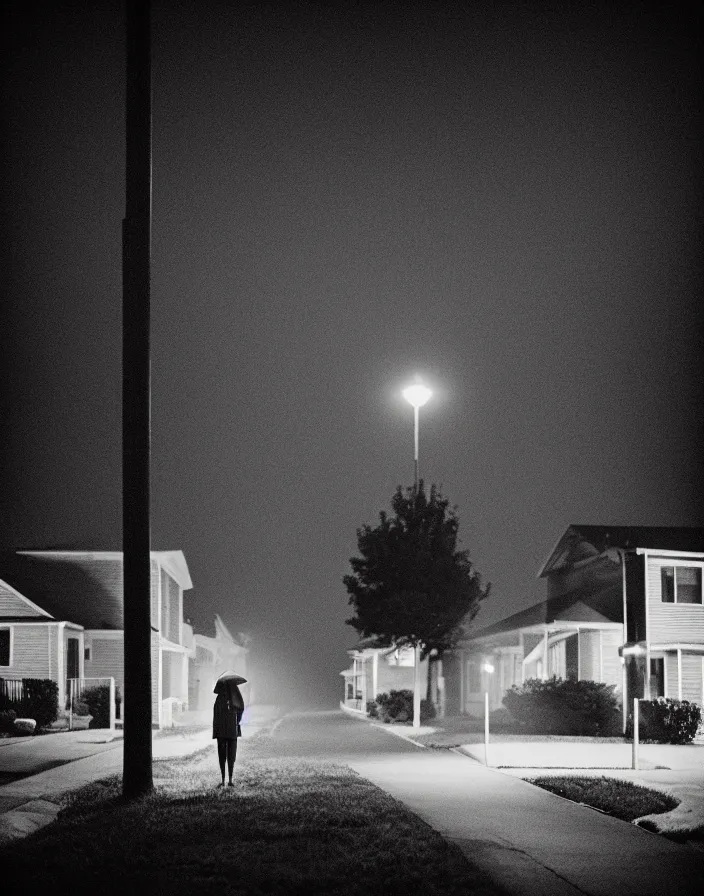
(416, 395)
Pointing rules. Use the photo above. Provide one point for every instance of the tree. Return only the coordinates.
(411, 585)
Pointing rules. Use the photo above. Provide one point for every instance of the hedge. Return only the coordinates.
(563, 706)
(39, 701)
(666, 721)
(397, 706)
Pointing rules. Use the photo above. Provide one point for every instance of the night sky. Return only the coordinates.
(504, 199)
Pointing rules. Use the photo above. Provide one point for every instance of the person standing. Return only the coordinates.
(227, 717)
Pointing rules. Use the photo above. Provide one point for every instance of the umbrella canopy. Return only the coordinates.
(231, 676)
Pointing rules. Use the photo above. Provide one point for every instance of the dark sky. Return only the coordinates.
(503, 198)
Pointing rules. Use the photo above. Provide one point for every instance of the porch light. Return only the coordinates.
(487, 667)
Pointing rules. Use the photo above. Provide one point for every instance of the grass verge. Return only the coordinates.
(622, 799)
(289, 826)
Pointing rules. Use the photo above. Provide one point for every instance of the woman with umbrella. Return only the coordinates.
(227, 715)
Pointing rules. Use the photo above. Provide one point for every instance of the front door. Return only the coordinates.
(72, 667)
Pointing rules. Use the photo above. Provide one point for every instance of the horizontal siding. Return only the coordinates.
(671, 623)
(30, 652)
(107, 660)
(611, 668)
(692, 677)
(174, 611)
(589, 656)
(11, 605)
(155, 679)
(154, 593)
(671, 683)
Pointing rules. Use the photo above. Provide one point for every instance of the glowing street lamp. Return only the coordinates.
(416, 395)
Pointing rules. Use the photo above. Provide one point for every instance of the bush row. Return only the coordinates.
(397, 706)
(40, 701)
(666, 721)
(563, 706)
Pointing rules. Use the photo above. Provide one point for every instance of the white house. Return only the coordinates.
(61, 617)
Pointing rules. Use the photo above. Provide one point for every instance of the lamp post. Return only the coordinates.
(416, 395)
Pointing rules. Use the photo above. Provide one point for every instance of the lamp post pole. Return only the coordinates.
(416, 395)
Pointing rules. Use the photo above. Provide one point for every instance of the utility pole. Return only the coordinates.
(136, 399)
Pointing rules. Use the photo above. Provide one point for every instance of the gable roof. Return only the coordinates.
(579, 542)
(85, 587)
(14, 605)
(607, 606)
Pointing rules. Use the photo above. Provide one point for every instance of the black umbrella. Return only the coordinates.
(233, 677)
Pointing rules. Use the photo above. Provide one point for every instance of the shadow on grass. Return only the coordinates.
(288, 826)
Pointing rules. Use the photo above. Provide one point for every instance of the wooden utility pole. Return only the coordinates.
(136, 400)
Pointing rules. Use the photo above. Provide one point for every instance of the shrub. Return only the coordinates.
(372, 709)
(39, 701)
(98, 701)
(397, 706)
(666, 721)
(80, 708)
(563, 706)
(7, 720)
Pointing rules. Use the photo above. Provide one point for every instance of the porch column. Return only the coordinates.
(545, 654)
(375, 675)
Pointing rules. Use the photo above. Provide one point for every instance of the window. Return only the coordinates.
(4, 646)
(681, 584)
(87, 654)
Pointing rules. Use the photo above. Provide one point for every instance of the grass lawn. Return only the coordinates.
(621, 799)
(289, 826)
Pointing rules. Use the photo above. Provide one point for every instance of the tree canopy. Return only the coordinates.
(411, 585)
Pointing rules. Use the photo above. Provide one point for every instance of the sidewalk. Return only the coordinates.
(528, 840)
(32, 802)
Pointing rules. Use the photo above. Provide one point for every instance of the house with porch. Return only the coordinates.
(624, 606)
(61, 617)
(377, 670)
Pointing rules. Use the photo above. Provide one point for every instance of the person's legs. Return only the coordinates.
(231, 756)
(222, 753)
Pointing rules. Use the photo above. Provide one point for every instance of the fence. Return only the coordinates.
(11, 691)
(91, 702)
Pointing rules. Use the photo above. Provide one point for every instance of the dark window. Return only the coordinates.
(689, 584)
(86, 654)
(667, 576)
(657, 678)
(4, 646)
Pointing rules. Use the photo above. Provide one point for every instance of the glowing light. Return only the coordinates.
(417, 395)
(487, 667)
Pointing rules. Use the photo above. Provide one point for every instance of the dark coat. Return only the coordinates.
(228, 709)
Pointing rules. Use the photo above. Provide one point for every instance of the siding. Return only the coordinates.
(611, 669)
(671, 623)
(11, 605)
(155, 678)
(154, 595)
(589, 653)
(174, 611)
(107, 660)
(671, 687)
(692, 677)
(30, 651)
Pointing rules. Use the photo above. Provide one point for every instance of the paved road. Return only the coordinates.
(529, 841)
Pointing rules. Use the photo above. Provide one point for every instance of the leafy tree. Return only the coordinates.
(411, 585)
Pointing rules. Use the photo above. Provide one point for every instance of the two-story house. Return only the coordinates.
(624, 606)
(61, 617)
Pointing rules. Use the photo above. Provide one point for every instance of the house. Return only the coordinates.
(210, 658)
(624, 607)
(377, 670)
(61, 617)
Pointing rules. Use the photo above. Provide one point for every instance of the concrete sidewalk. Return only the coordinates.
(32, 802)
(528, 840)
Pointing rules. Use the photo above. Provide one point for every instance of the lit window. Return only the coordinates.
(681, 584)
